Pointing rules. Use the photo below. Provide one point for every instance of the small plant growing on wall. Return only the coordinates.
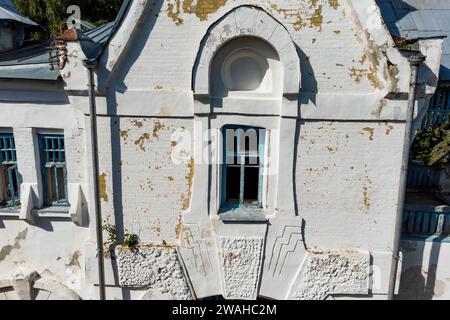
(111, 232)
(131, 241)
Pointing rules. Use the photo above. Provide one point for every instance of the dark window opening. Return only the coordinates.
(243, 167)
(9, 179)
(54, 174)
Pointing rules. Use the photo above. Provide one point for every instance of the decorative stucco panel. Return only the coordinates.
(327, 274)
(241, 261)
(157, 268)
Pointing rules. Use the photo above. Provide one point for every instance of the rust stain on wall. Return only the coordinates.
(334, 4)
(190, 181)
(124, 134)
(357, 74)
(137, 124)
(173, 11)
(102, 186)
(157, 127)
(389, 129)
(331, 150)
(381, 106)
(141, 141)
(74, 260)
(370, 131)
(310, 15)
(392, 73)
(201, 9)
(316, 20)
(366, 197)
(6, 250)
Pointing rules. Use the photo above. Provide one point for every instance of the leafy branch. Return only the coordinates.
(432, 145)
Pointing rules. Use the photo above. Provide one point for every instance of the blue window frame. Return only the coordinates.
(54, 172)
(9, 176)
(243, 167)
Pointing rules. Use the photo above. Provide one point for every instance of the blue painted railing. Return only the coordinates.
(423, 177)
(439, 109)
(426, 221)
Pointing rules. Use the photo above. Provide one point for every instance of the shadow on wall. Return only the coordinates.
(128, 58)
(418, 281)
(308, 93)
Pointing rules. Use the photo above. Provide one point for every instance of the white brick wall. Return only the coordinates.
(347, 183)
(331, 49)
(154, 189)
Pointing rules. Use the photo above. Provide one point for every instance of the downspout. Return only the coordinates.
(90, 66)
(415, 59)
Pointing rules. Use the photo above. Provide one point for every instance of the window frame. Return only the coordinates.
(60, 153)
(9, 167)
(224, 204)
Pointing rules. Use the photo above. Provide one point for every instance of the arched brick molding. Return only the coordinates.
(254, 22)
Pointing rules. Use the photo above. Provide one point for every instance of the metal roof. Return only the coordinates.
(412, 19)
(32, 61)
(29, 62)
(9, 12)
(101, 34)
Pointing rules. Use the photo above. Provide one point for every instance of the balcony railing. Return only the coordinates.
(423, 177)
(426, 221)
(439, 109)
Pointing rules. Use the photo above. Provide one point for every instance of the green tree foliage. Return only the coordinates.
(52, 14)
(432, 145)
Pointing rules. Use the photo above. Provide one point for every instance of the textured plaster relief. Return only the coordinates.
(333, 273)
(155, 268)
(241, 262)
(199, 254)
(285, 253)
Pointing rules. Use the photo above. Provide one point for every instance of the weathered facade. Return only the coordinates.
(323, 84)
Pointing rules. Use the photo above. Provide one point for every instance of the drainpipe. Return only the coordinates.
(90, 65)
(415, 59)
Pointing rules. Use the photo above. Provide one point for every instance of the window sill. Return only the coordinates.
(54, 212)
(12, 212)
(243, 214)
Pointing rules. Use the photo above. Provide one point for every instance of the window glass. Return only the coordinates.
(243, 166)
(53, 163)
